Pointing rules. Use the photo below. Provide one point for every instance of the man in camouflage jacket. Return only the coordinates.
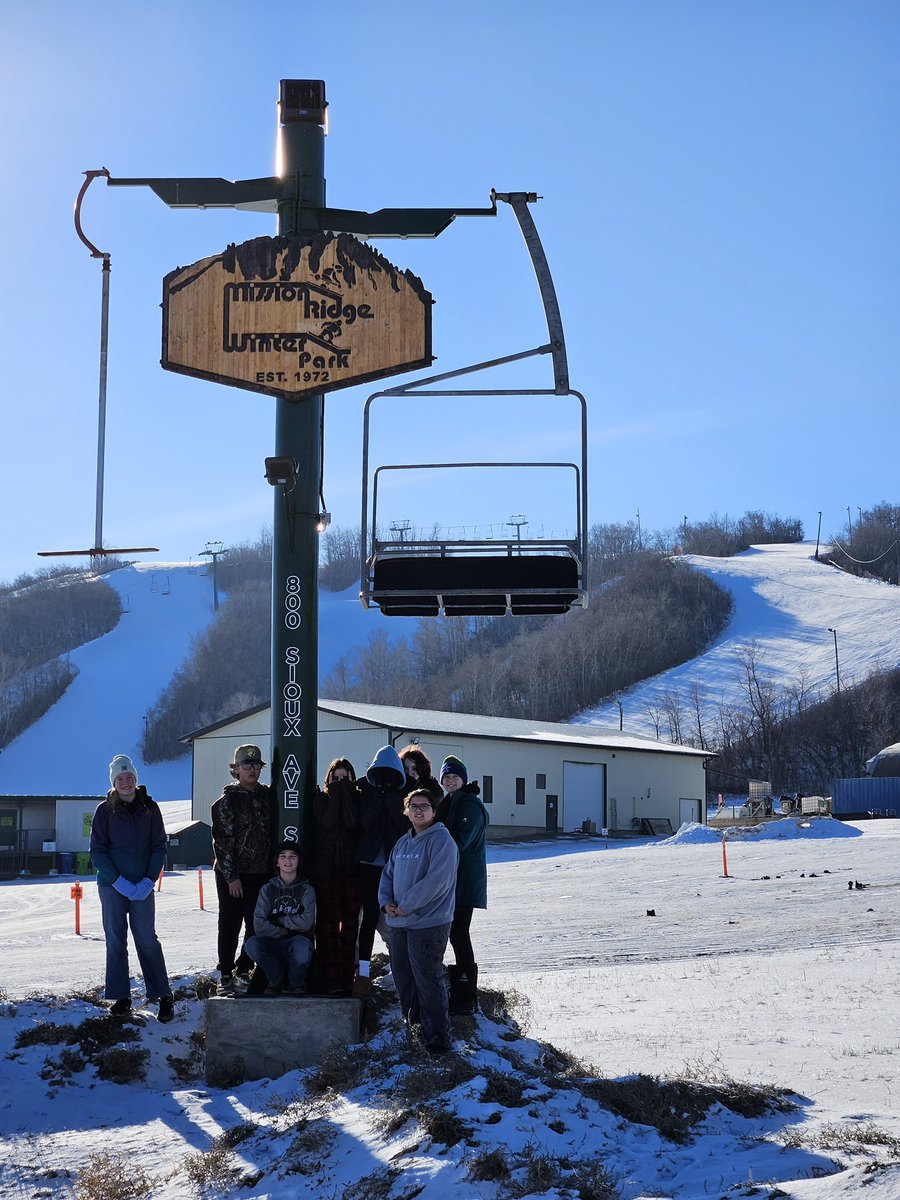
(242, 823)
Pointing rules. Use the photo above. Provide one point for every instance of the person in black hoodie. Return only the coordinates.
(128, 850)
(383, 821)
(334, 872)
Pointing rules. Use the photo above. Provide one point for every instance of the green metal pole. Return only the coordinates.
(295, 548)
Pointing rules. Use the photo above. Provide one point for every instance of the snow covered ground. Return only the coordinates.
(785, 603)
(778, 974)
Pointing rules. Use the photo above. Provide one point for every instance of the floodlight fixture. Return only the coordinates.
(323, 521)
(282, 471)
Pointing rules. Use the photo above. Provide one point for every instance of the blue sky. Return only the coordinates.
(720, 195)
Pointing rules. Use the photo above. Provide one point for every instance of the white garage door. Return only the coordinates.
(584, 795)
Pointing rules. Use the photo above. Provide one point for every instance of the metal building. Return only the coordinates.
(536, 777)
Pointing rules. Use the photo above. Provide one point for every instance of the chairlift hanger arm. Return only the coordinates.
(90, 176)
(263, 195)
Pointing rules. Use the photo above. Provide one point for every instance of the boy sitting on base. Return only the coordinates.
(283, 922)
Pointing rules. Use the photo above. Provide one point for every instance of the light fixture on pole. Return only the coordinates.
(837, 665)
(282, 472)
(518, 520)
(214, 550)
(621, 714)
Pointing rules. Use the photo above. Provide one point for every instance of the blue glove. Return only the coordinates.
(143, 889)
(125, 887)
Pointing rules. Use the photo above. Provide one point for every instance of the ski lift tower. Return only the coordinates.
(296, 316)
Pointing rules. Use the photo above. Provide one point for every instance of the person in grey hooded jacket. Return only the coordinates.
(382, 822)
(417, 895)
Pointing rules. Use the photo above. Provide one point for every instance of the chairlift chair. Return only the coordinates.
(487, 575)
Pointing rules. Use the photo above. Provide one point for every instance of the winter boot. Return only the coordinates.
(463, 995)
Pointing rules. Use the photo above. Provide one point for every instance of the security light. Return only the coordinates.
(281, 471)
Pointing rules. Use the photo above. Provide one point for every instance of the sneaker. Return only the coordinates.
(120, 1008)
(298, 991)
(240, 983)
(226, 986)
(274, 989)
(166, 1009)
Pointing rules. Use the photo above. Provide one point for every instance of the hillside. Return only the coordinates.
(165, 606)
(785, 604)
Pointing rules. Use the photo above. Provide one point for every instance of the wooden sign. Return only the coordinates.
(295, 316)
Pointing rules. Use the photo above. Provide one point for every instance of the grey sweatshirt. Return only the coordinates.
(420, 876)
(283, 910)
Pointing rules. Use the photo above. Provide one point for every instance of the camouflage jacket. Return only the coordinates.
(242, 832)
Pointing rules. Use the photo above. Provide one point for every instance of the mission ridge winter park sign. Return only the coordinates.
(295, 316)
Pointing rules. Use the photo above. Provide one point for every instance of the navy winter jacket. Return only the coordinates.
(128, 839)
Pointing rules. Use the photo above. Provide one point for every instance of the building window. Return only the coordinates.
(540, 783)
(487, 784)
(520, 791)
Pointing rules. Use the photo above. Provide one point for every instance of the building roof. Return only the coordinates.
(424, 720)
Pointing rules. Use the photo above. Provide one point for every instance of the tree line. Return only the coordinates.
(42, 618)
(870, 546)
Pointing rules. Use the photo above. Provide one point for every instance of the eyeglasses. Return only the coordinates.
(256, 766)
(419, 808)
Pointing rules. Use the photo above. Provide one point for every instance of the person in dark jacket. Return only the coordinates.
(416, 894)
(417, 766)
(283, 922)
(466, 818)
(335, 876)
(383, 821)
(242, 822)
(128, 850)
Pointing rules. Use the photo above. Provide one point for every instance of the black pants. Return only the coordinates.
(369, 880)
(234, 912)
(459, 937)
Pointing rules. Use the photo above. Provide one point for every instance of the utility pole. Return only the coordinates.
(837, 665)
(295, 543)
(214, 554)
(818, 535)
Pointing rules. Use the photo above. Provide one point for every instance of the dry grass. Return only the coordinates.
(122, 1065)
(488, 1166)
(104, 1177)
(505, 1089)
(215, 1167)
(376, 1186)
(510, 1008)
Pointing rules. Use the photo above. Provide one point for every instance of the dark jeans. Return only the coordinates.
(118, 913)
(235, 912)
(459, 937)
(369, 880)
(280, 955)
(417, 963)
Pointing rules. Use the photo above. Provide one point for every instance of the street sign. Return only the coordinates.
(295, 316)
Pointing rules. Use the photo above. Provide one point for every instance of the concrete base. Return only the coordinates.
(258, 1037)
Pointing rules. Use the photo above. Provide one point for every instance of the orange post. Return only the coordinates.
(200, 884)
(76, 892)
(724, 858)
(162, 872)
